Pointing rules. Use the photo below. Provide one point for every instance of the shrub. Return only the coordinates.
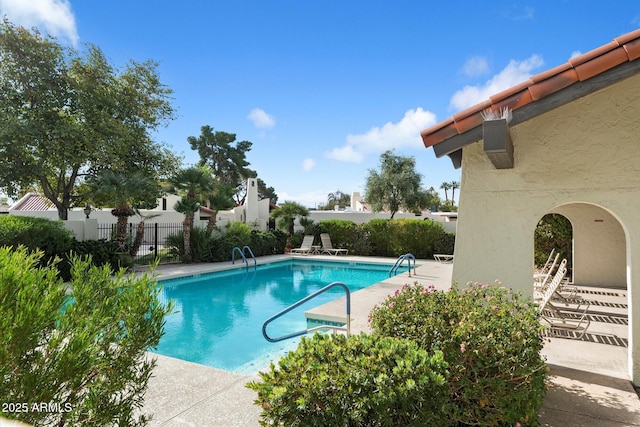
(414, 236)
(491, 339)
(379, 231)
(444, 243)
(84, 352)
(50, 237)
(356, 381)
(341, 232)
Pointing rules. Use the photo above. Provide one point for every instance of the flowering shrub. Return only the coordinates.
(491, 339)
(361, 380)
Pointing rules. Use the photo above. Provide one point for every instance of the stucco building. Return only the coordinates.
(565, 141)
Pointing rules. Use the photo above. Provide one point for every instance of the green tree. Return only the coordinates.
(454, 185)
(335, 199)
(220, 198)
(85, 352)
(226, 157)
(265, 192)
(64, 116)
(446, 186)
(194, 184)
(396, 185)
(286, 214)
(123, 193)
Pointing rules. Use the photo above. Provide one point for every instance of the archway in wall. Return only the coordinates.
(599, 273)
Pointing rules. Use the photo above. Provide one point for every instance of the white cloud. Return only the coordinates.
(575, 53)
(403, 134)
(49, 16)
(514, 73)
(308, 164)
(261, 119)
(475, 66)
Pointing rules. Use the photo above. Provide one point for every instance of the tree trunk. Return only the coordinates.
(137, 241)
(121, 232)
(186, 232)
(212, 221)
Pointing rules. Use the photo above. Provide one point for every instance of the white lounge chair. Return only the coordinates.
(570, 318)
(327, 246)
(306, 247)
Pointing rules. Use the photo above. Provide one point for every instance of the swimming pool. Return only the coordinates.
(220, 315)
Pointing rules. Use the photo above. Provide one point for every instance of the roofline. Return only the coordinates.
(543, 92)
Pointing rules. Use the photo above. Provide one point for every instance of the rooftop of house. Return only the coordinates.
(577, 77)
(32, 202)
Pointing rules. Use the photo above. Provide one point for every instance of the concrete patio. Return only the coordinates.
(588, 380)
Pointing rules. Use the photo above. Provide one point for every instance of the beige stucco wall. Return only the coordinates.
(582, 159)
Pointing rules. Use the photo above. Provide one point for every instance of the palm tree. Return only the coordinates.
(137, 240)
(221, 198)
(287, 213)
(445, 186)
(194, 184)
(123, 193)
(454, 186)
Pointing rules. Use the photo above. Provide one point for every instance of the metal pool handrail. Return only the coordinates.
(247, 248)
(302, 301)
(233, 256)
(399, 262)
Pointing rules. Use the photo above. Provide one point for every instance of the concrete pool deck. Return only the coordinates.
(588, 381)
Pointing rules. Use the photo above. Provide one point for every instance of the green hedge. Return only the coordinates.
(389, 238)
(206, 247)
(490, 337)
(55, 242)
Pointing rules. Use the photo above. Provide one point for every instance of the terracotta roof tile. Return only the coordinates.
(583, 67)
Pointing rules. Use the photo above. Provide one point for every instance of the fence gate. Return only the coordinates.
(154, 240)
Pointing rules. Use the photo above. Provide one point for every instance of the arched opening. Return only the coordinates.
(594, 243)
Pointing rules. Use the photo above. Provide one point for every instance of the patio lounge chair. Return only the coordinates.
(306, 247)
(327, 246)
(570, 320)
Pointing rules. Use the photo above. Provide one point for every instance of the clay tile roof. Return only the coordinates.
(625, 48)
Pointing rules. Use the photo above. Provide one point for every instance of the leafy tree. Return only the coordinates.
(225, 156)
(86, 352)
(286, 215)
(265, 192)
(64, 116)
(195, 185)
(432, 197)
(396, 185)
(124, 193)
(227, 159)
(335, 199)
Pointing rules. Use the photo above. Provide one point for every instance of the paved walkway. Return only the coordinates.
(588, 380)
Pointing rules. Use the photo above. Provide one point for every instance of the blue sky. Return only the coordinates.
(322, 88)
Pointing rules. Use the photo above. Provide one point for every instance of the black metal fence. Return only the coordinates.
(154, 242)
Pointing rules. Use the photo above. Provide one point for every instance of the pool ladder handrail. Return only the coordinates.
(244, 258)
(399, 262)
(346, 328)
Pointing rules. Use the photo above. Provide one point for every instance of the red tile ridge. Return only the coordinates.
(588, 56)
(626, 38)
(622, 49)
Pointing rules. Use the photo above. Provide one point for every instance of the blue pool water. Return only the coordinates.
(219, 315)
